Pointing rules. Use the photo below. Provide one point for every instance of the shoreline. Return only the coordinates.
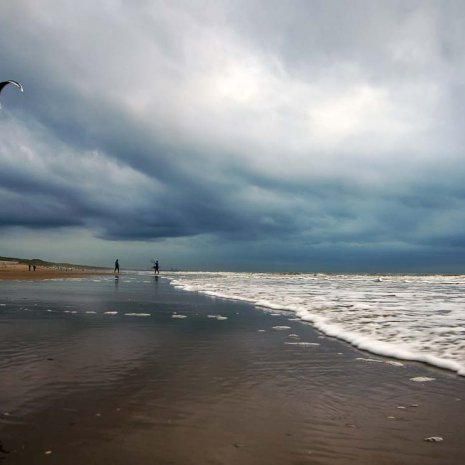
(362, 342)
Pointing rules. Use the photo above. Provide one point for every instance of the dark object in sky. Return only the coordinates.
(5, 83)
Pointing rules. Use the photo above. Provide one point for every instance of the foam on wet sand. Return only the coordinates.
(404, 317)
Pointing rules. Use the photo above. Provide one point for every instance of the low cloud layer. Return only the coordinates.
(284, 132)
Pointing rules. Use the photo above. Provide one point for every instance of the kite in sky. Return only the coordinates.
(5, 83)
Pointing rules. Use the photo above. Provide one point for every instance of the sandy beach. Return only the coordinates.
(21, 271)
(131, 370)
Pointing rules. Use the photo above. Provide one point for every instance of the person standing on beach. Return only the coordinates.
(156, 269)
(116, 266)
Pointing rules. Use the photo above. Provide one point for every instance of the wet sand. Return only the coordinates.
(119, 388)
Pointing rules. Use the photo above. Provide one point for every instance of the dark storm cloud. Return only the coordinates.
(298, 124)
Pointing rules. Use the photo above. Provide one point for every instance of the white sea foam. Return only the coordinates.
(110, 313)
(137, 314)
(422, 379)
(178, 316)
(303, 344)
(411, 317)
(396, 364)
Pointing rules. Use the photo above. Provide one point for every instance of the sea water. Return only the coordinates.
(409, 317)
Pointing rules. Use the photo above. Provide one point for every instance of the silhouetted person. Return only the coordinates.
(29, 267)
(34, 267)
(156, 269)
(116, 266)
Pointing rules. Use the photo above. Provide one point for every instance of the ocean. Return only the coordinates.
(408, 317)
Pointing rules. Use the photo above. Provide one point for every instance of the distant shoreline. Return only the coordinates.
(11, 270)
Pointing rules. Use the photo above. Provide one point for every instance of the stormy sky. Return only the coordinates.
(236, 135)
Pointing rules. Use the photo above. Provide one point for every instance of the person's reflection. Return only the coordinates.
(116, 282)
(156, 288)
